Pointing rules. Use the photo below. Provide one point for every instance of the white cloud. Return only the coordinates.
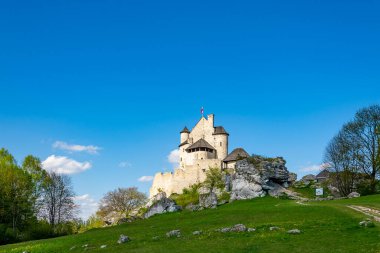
(145, 179)
(87, 205)
(125, 164)
(91, 149)
(173, 157)
(64, 165)
(314, 168)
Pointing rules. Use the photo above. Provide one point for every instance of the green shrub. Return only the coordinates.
(189, 195)
(224, 196)
(40, 230)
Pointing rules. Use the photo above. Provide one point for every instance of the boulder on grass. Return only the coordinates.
(161, 204)
(123, 239)
(208, 200)
(353, 195)
(174, 233)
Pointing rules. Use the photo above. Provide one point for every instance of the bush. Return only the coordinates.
(225, 196)
(188, 196)
(40, 230)
(364, 187)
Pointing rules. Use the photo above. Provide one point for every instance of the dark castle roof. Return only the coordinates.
(323, 174)
(236, 154)
(219, 130)
(201, 143)
(185, 130)
(183, 143)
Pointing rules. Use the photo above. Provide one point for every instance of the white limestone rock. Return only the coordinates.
(208, 200)
(161, 204)
(174, 233)
(353, 195)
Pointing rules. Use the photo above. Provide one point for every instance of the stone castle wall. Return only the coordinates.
(175, 182)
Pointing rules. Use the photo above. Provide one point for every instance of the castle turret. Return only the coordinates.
(221, 142)
(184, 134)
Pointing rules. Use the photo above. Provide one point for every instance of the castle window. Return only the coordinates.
(220, 143)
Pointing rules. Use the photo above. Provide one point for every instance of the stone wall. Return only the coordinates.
(182, 178)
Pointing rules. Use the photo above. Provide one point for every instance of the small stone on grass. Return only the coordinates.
(294, 231)
(123, 239)
(174, 233)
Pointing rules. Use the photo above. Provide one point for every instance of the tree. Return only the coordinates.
(16, 188)
(32, 165)
(342, 161)
(122, 201)
(214, 179)
(58, 205)
(355, 150)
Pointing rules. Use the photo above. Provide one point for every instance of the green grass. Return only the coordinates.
(327, 226)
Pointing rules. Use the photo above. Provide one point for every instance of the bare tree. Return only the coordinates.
(364, 133)
(58, 203)
(121, 201)
(354, 152)
(342, 161)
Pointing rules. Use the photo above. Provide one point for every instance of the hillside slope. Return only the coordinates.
(328, 226)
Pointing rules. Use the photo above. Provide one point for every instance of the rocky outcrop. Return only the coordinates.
(161, 204)
(308, 179)
(257, 176)
(208, 200)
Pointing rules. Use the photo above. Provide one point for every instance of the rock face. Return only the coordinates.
(308, 179)
(208, 200)
(292, 178)
(259, 176)
(161, 204)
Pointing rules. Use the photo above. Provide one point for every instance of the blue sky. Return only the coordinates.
(126, 76)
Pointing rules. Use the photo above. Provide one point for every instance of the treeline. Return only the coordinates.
(34, 204)
(353, 155)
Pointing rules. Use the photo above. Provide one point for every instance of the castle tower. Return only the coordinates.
(184, 134)
(221, 142)
(184, 144)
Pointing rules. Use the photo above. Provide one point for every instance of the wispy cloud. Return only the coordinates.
(313, 168)
(173, 157)
(87, 205)
(125, 164)
(64, 165)
(91, 149)
(145, 179)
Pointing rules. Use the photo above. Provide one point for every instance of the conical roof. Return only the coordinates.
(201, 143)
(185, 130)
(236, 154)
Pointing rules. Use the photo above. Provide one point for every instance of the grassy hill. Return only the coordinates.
(328, 226)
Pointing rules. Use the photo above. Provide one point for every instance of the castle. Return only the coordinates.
(204, 147)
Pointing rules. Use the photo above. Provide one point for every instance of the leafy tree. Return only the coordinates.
(32, 165)
(16, 201)
(214, 179)
(122, 201)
